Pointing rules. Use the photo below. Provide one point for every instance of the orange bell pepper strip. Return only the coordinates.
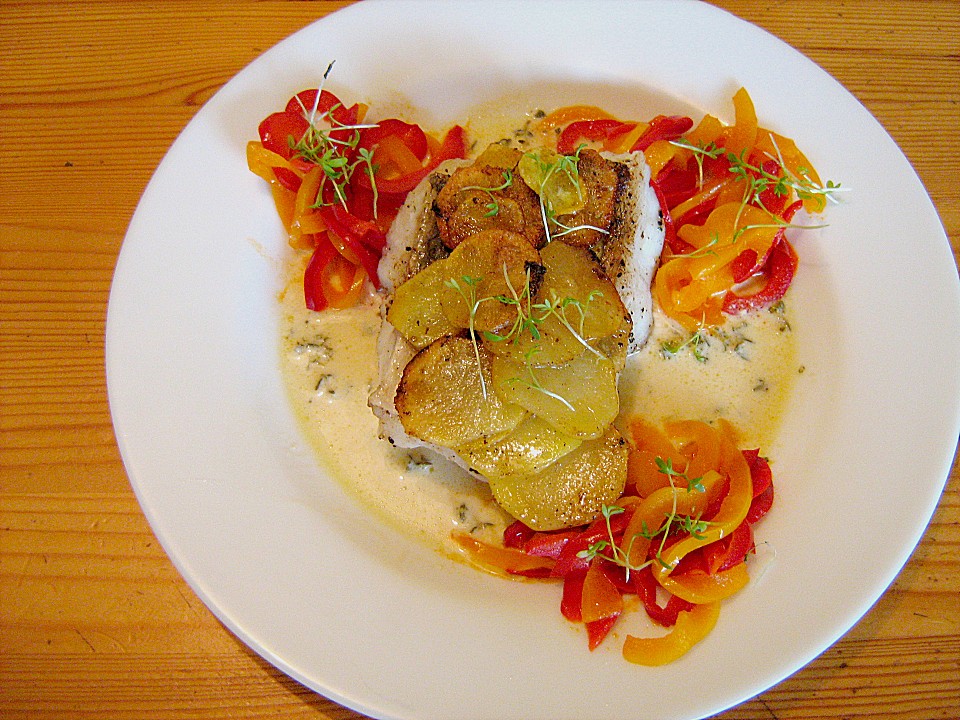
(572, 113)
(500, 560)
(691, 627)
(600, 598)
(342, 282)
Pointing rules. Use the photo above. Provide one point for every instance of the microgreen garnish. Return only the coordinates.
(665, 466)
(757, 179)
(694, 525)
(331, 152)
(556, 180)
(693, 343)
(617, 555)
(530, 380)
(466, 287)
(493, 207)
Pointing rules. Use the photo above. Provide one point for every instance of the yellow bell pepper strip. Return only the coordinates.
(685, 535)
(600, 598)
(691, 288)
(742, 136)
(622, 143)
(691, 627)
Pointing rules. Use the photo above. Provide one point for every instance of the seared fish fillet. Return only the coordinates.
(628, 255)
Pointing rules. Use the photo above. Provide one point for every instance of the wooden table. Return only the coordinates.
(94, 620)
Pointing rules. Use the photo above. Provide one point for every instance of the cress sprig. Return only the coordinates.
(493, 207)
(694, 525)
(526, 321)
(332, 153)
(759, 180)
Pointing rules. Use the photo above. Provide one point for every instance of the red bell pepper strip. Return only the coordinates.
(410, 135)
(729, 551)
(568, 558)
(453, 146)
(277, 129)
(645, 586)
(760, 472)
(549, 544)
(313, 292)
(597, 630)
(663, 127)
(594, 130)
(779, 271)
(744, 265)
(571, 602)
(360, 236)
(516, 535)
(769, 198)
(760, 505)
(301, 105)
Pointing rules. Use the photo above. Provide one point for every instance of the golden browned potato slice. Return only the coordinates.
(446, 399)
(500, 156)
(486, 195)
(571, 491)
(529, 448)
(574, 283)
(579, 398)
(553, 343)
(484, 267)
(417, 307)
(575, 305)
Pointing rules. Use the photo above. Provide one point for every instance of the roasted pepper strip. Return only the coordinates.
(590, 130)
(663, 127)
(504, 560)
(691, 627)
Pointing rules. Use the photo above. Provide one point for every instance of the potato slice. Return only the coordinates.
(575, 305)
(443, 400)
(483, 267)
(417, 307)
(553, 343)
(577, 286)
(529, 448)
(571, 491)
(579, 398)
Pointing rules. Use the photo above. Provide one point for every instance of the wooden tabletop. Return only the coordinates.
(95, 622)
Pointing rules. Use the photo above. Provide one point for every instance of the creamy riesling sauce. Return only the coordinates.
(742, 371)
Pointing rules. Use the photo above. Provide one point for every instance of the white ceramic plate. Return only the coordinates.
(289, 562)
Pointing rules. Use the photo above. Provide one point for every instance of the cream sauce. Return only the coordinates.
(329, 363)
(745, 372)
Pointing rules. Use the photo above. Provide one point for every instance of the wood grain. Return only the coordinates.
(95, 622)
